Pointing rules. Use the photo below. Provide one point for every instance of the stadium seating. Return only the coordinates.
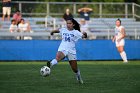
(101, 27)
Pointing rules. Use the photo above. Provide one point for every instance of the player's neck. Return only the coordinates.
(70, 29)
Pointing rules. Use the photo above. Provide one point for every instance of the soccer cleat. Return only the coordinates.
(49, 64)
(79, 79)
(125, 61)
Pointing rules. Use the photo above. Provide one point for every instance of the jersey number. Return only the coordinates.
(67, 39)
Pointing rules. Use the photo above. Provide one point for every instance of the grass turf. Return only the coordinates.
(98, 76)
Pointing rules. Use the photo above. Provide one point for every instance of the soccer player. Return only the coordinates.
(70, 36)
(119, 39)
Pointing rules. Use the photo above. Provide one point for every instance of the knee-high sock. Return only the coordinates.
(123, 55)
(54, 62)
(78, 72)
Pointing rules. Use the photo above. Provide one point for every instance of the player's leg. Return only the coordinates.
(122, 53)
(73, 64)
(59, 56)
(120, 47)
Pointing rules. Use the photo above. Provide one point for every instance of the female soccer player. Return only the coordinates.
(119, 39)
(70, 36)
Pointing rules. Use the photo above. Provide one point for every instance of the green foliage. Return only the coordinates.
(52, 0)
(113, 0)
(60, 9)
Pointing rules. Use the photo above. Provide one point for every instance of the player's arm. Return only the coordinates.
(123, 34)
(84, 35)
(54, 31)
(114, 38)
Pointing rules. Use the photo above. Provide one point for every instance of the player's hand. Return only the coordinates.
(85, 35)
(113, 40)
(51, 33)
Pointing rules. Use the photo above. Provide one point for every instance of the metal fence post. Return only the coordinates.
(20, 7)
(126, 10)
(54, 23)
(74, 9)
(133, 10)
(108, 34)
(46, 20)
(48, 9)
(135, 33)
(100, 10)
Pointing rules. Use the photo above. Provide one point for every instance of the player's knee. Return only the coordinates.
(120, 50)
(74, 69)
(58, 58)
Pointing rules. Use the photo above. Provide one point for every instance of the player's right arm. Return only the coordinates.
(54, 31)
(113, 39)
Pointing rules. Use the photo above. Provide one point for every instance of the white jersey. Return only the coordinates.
(69, 39)
(23, 27)
(13, 28)
(118, 35)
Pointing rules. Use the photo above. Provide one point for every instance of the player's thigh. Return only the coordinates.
(120, 43)
(60, 55)
(120, 48)
(71, 56)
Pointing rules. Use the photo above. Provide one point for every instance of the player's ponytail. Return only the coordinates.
(76, 24)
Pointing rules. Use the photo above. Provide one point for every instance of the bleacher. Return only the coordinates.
(105, 27)
(101, 27)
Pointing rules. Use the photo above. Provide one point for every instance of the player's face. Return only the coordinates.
(118, 23)
(70, 25)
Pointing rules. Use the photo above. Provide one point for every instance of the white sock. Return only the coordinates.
(123, 55)
(53, 62)
(78, 72)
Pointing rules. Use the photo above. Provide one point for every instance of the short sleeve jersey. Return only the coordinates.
(118, 32)
(69, 39)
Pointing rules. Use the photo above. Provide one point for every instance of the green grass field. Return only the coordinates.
(98, 76)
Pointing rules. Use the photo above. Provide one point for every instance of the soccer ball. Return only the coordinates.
(45, 71)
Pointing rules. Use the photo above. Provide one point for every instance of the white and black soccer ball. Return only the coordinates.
(45, 71)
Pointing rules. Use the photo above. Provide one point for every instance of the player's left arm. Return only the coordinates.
(123, 34)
